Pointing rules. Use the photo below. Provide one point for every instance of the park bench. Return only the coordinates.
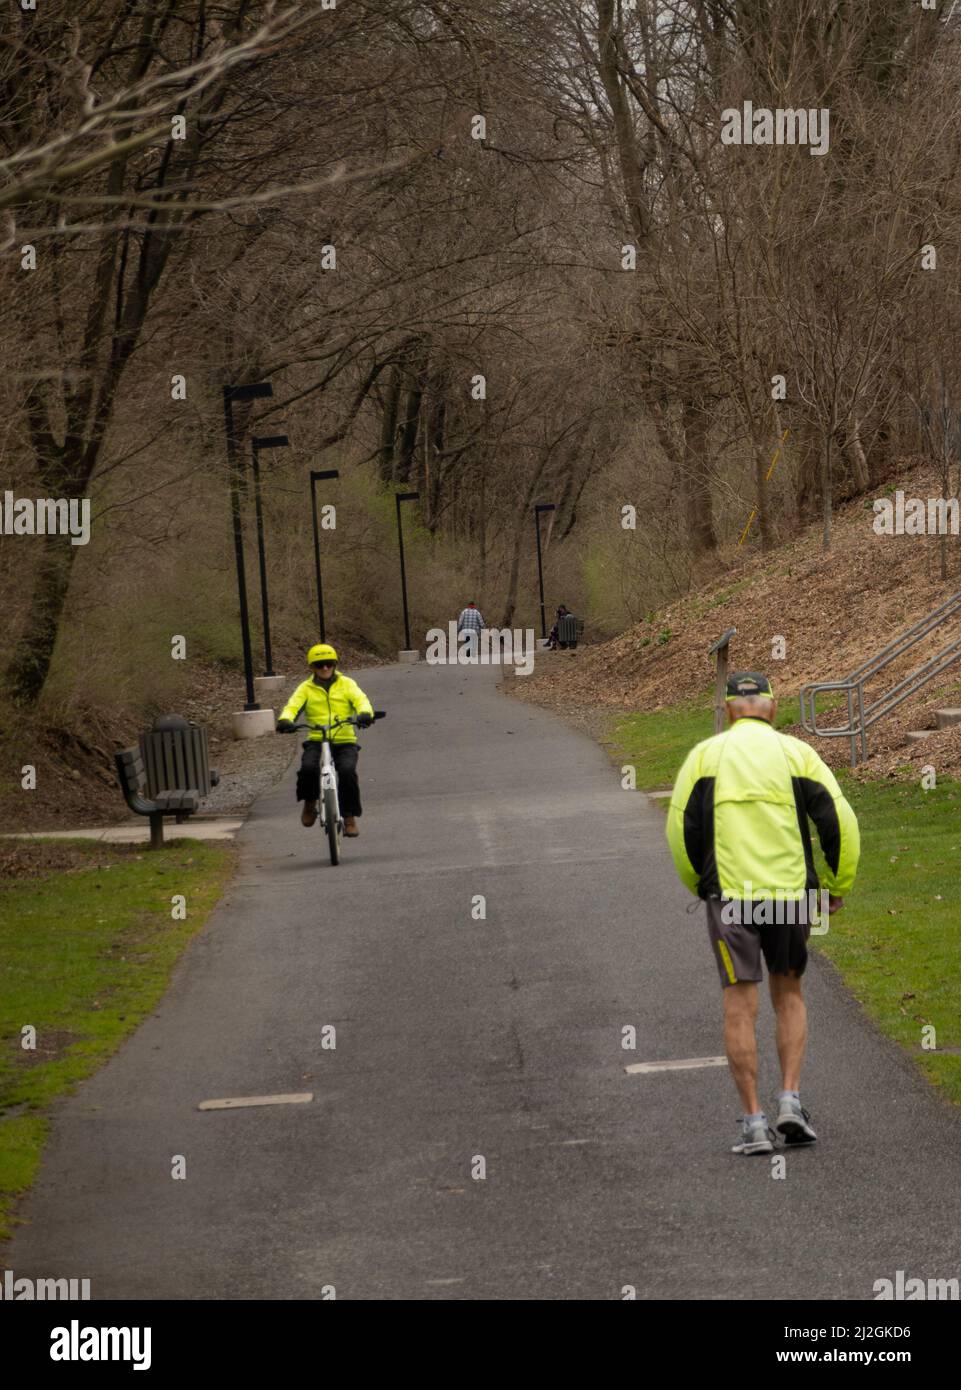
(132, 774)
(569, 629)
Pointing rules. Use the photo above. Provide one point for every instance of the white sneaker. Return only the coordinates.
(756, 1138)
(794, 1122)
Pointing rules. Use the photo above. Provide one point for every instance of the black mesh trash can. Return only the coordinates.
(569, 630)
(176, 757)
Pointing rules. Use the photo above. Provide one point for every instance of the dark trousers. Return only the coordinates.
(345, 761)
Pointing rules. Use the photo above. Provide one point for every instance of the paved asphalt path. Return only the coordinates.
(459, 1037)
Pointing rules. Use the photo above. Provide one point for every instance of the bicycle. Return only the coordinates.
(331, 821)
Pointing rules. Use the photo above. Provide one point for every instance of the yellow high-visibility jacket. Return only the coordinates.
(320, 706)
(738, 820)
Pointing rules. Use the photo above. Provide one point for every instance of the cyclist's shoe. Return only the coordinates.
(308, 815)
(756, 1138)
(794, 1122)
(350, 826)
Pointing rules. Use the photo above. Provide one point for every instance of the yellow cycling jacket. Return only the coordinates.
(320, 706)
(738, 819)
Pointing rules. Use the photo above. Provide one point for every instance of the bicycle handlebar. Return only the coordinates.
(322, 728)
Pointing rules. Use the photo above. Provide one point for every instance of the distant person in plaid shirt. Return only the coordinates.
(470, 621)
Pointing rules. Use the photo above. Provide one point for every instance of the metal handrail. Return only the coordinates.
(867, 715)
(920, 629)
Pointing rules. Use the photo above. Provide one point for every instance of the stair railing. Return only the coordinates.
(862, 715)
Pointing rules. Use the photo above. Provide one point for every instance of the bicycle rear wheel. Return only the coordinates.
(332, 818)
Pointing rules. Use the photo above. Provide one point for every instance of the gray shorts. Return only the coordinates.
(739, 945)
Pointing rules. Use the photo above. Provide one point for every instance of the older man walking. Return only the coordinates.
(738, 832)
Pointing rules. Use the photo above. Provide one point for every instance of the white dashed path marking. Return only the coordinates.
(689, 1064)
(242, 1102)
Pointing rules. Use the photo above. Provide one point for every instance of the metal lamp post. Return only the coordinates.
(316, 476)
(253, 391)
(268, 441)
(541, 507)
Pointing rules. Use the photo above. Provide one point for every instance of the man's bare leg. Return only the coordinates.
(792, 1027)
(740, 1042)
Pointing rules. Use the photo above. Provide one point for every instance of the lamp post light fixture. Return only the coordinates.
(404, 497)
(541, 507)
(251, 392)
(264, 441)
(316, 476)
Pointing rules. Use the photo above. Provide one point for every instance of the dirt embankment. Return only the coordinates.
(834, 611)
(76, 783)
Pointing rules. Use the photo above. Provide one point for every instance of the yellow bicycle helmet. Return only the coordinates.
(321, 651)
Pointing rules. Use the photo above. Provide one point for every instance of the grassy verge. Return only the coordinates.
(896, 943)
(656, 744)
(87, 945)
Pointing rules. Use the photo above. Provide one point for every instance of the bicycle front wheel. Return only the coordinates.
(332, 818)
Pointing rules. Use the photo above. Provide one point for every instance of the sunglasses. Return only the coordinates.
(322, 665)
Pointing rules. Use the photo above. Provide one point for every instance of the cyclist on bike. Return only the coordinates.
(325, 696)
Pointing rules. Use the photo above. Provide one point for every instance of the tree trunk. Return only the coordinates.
(697, 483)
(763, 498)
(404, 463)
(481, 532)
(826, 493)
(422, 470)
(571, 522)
(633, 161)
(388, 426)
(30, 666)
(945, 490)
(858, 459)
(433, 447)
(67, 470)
(808, 472)
(525, 518)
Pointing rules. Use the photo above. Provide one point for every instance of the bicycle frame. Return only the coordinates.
(328, 781)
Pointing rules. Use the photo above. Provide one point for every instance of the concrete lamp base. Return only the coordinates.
(269, 690)
(252, 723)
(408, 656)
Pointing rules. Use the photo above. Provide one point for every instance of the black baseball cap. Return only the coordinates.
(744, 684)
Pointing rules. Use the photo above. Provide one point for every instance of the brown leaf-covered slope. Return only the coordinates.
(833, 610)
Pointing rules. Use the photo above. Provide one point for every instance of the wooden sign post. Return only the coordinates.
(720, 684)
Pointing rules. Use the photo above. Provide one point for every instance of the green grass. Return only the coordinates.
(897, 942)
(656, 743)
(86, 951)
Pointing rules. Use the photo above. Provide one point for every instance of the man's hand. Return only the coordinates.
(364, 721)
(285, 726)
(834, 904)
